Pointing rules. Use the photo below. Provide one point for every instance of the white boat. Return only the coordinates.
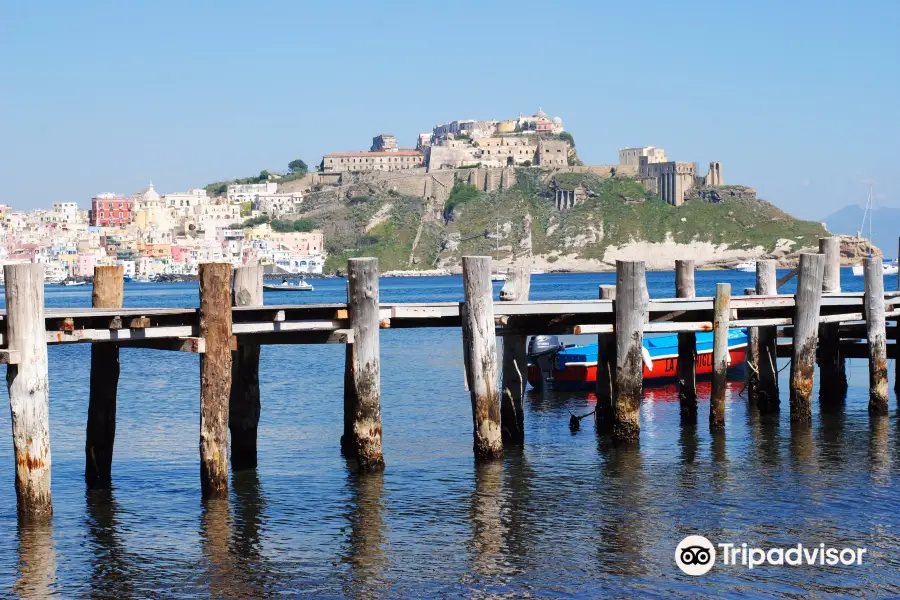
(746, 267)
(537, 271)
(286, 286)
(73, 283)
(498, 276)
(888, 267)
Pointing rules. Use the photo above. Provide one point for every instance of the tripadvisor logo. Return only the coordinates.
(696, 555)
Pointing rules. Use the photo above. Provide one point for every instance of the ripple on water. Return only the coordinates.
(567, 515)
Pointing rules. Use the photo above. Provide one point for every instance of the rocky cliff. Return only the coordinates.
(613, 218)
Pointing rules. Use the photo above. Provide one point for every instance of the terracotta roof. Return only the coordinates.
(397, 153)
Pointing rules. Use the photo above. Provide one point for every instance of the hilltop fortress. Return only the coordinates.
(486, 153)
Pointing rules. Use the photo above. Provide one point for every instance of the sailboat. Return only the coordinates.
(889, 267)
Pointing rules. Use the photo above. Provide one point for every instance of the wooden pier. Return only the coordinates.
(230, 325)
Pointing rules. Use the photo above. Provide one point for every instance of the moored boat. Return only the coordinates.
(888, 267)
(286, 286)
(746, 267)
(575, 367)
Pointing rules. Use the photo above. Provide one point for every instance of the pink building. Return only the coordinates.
(304, 244)
(182, 254)
(85, 266)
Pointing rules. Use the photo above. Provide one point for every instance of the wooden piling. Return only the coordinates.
(687, 346)
(631, 312)
(767, 400)
(606, 368)
(832, 368)
(721, 318)
(752, 362)
(364, 401)
(481, 368)
(108, 292)
(215, 376)
(515, 358)
(876, 336)
(27, 382)
(897, 341)
(244, 399)
(808, 302)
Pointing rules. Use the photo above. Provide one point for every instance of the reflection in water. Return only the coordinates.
(802, 447)
(488, 530)
(831, 438)
(249, 519)
(36, 575)
(110, 565)
(219, 565)
(518, 479)
(619, 545)
(879, 451)
(368, 536)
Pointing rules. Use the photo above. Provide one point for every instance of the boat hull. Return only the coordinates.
(575, 368)
(583, 376)
(288, 288)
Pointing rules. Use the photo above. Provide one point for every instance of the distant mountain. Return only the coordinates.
(885, 225)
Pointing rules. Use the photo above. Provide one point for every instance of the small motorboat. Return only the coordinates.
(888, 267)
(575, 367)
(72, 282)
(498, 276)
(128, 279)
(287, 286)
(746, 267)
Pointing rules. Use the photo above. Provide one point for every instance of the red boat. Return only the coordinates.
(575, 368)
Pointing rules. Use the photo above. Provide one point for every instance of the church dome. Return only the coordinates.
(150, 195)
(540, 114)
(557, 120)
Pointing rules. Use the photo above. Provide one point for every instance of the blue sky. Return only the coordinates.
(797, 99)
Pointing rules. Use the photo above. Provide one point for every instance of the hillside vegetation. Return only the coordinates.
(406, 232)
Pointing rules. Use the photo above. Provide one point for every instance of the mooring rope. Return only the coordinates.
(575, 420)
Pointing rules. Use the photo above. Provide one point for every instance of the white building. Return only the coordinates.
(278, 205)
(632, 156)
(248, 192)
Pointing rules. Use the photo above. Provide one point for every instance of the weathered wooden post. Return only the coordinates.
(876, 336)
(515, 357)
(244, 400)
(832, 371)
(897, 340)
(215, 376)
(721, 318)
(27, 382)
(631, 312)
(808, 301)
(481, 368)
(109, 292)
(752, 357)
(606, 368)
(767, 400)
(364, 376)
(687, 346)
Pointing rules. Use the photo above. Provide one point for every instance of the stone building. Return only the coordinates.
(670, 180)
(395, 160)
(714, 176)
(384, 143)
(552, 153)
(632, 156)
